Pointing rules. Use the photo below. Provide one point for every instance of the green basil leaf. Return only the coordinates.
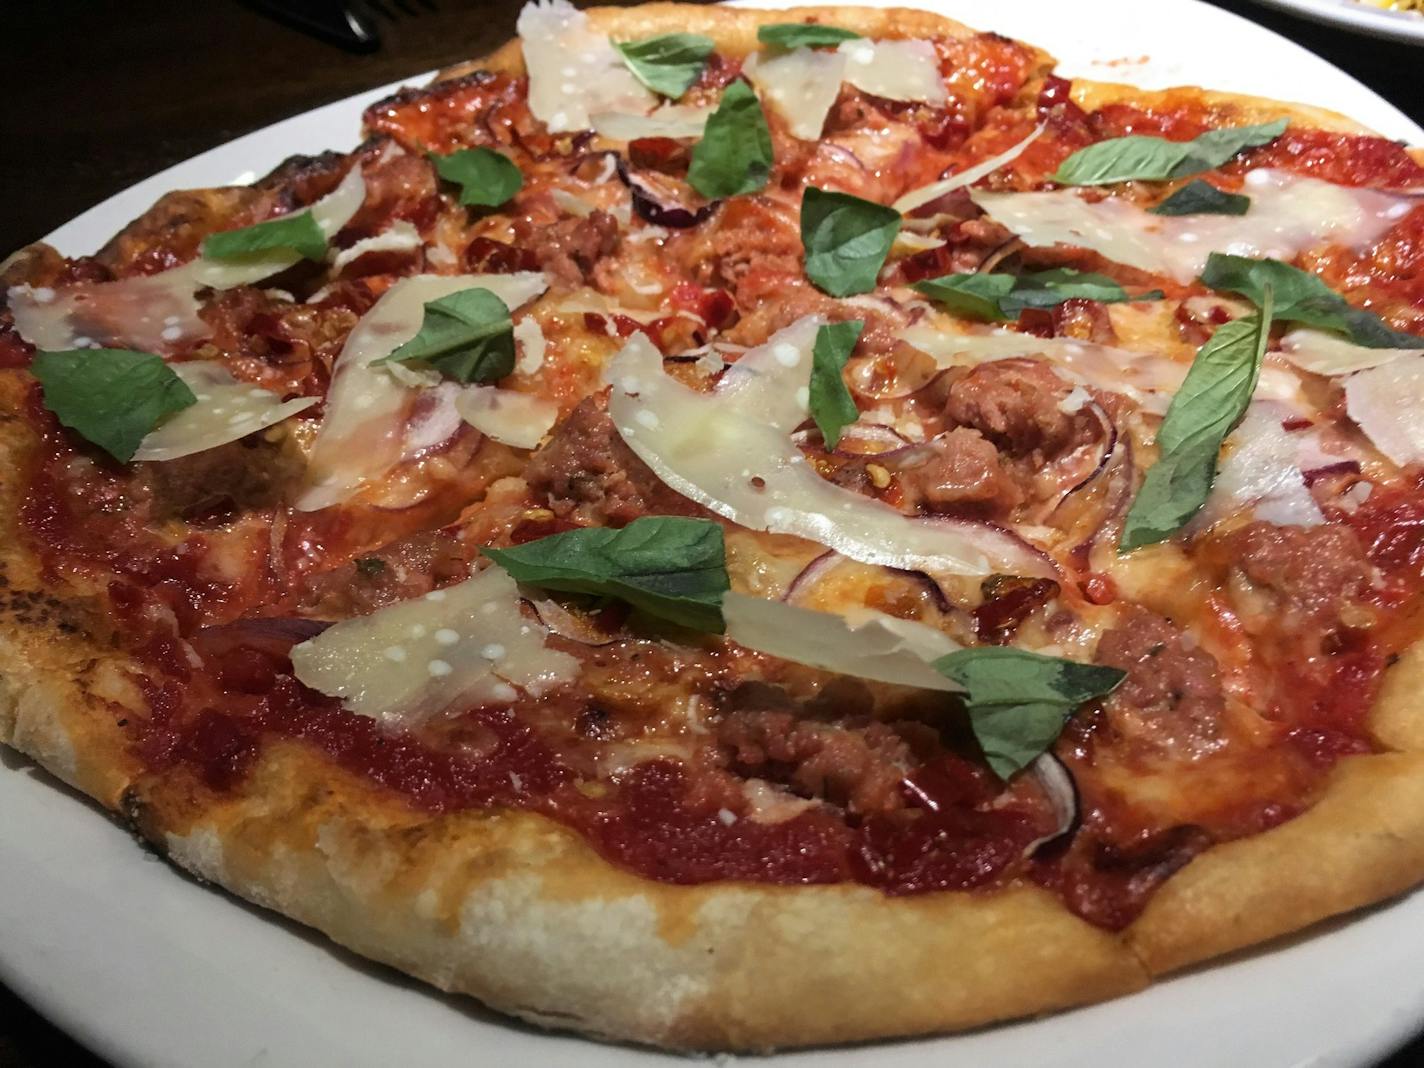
(789, 35)
(1000, 297)
(832, 406)
(1212, 400)
(1202, 198)
(670, 567)
(734, 155)
(1155, 159)
(846, 240)
(486, 178)
(112, 397)
(297, 233)
(668, 64)
(1301, 297)
(1018, 701)
(974, 296)
(467, 336)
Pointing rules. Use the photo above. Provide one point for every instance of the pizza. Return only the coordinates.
(738, 529)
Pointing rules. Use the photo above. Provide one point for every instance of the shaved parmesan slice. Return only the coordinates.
(910, 242)
(226, 410)
(330, 213)
(1323, 353)
(518, 419)
(801, 86)
(670, 120)
(859, 641)
(574, 72)
(771, 383)
(401, 236)
(1387, 401)
(895, 70)
(156, 312)
(1288, 215)
(708, 448)
(1260, 468)
(468, 644)
(924, 194)
(373, 421)
(153, 313)
(532, 345)
(1150, 379)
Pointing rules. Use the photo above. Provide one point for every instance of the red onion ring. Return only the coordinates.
(658, 210)
(1107, 446)
(1057, 783)
(866, 433)
(1343, 467)
(1008, 552)
(819, 568)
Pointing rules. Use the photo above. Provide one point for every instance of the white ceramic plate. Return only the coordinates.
(1407, 26)
(150, 968)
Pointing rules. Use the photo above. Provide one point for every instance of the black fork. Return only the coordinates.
(349, 25)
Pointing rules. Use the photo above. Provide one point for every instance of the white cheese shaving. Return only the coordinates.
(1150, 379)
(1324, 353)
(1387, 401)
(670, 120)
(401, 236)
(801, 86)
(157, 312)
(856, 641)
(518, 419)
(1259, 468)
(462, 646)
(895, 70)
(532, 345)
(711, 449)
(372, 420)
(574, 72)
(225, 410)
(1288, 215)
(924, 194)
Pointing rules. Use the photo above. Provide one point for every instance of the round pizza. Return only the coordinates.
(737, 529)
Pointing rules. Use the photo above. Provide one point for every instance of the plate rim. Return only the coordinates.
(68, 1013)
(1364, 19)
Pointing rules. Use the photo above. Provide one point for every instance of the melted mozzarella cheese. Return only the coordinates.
(468, 644)
(895, 70)
(574, 72)
(1288, 215)
(157, 312)
(225, 410)
(1387, 401)
(518, 419)
(1323, 353)
(856, 641)
(800, 85)
(373, 421)
(714, 450)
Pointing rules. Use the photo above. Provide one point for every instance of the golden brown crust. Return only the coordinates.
(735, 29)
(1233, 108)
(519, 912)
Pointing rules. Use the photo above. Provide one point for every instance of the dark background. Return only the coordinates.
(99, 95)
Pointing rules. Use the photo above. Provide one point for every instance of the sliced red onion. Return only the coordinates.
(659, 208)
(1343, 467)
(860, 390)
(888, 439)
(1057, 783)
(1008, 552)
(820, 568)
(1105, 446)
(1121, 475)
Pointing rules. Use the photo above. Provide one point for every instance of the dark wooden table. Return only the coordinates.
(100, 95)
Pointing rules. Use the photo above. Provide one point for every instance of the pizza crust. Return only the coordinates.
(522, 913)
